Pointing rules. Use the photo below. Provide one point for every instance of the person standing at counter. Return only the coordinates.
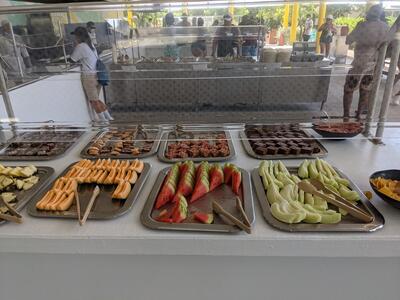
(185, 22)
(91, 29)
(171, 49)
(199, 47)
(367, 36)
(11, 59)
(85, 54)
(327, 31)
(249, 46)
(226, 39)
(308, 26)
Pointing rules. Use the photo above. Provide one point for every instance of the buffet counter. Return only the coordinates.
(267, 263)
(222, 86)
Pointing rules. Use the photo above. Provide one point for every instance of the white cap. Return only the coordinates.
(330, 17)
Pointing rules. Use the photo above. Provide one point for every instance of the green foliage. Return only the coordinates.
(272, 17)
(348, 21)
(345, 10)
(391, 20)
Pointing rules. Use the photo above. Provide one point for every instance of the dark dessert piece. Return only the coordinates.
(272, 150)
(316, 149)
(306, 150)
(284, 150)
(261, 150)
(295, 150)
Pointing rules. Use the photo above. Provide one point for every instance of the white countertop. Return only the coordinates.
(358, 158)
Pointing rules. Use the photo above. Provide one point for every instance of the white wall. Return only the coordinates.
(59, 98)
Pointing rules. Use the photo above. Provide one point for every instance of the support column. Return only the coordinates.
(6, 97)
(375, 88)
(387, 95)
(286, 16)
(231, 8)
(295, 22)
(321, 20)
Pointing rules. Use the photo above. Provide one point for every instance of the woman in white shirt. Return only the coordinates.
(85, 54)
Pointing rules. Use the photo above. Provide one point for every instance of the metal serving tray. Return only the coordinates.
(250, 151)
(154, 148)
(205, 206)
(23, 197)
(166, 141)
(68, 146)
(347, 224)
(103, 208)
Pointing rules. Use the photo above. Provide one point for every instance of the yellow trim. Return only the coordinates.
(295, 22)
(231, 8)
(286, 16)
(321, 20)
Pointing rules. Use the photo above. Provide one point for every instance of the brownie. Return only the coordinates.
(261, 150)
(272, 150)
(295, 150)
(316, 149)
(306, 150)
(284, 150)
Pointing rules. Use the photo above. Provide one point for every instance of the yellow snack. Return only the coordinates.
(387, 187)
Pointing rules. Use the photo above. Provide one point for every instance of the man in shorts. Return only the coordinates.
(368, 36)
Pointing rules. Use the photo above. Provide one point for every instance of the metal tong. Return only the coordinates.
(179, 133)
(245, 225)
(313, 188)
(82, 221)
(14, 216)
(141, 132)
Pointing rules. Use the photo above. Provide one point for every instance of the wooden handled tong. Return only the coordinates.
(337, 200)
(82, 221)
(13, 215)
(245, 225)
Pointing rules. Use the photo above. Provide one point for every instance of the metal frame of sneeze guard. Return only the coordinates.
(389, 86)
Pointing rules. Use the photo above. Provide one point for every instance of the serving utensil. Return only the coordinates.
(337, 201)
(78, 203)
(14, 216)
(245, 225)
(96, 192)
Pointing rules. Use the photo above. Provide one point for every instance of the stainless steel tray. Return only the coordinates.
(24, 197)
(218, 226)
(165, 142)
(103, 208)
(153, 150)
(250, 151)
(348, 223)
(64, 151)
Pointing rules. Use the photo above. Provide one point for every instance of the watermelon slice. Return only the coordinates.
(186, 182)
(164, 216)
(185, 187)
(203, 217)
(187, 167)
(180, 211)
(169, 187)
(202, 170)
(216, 177)
(166, 195)
(228, 169)
(201, 188)
(236, 181)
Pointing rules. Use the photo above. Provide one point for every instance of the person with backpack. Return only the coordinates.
(94, 74)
